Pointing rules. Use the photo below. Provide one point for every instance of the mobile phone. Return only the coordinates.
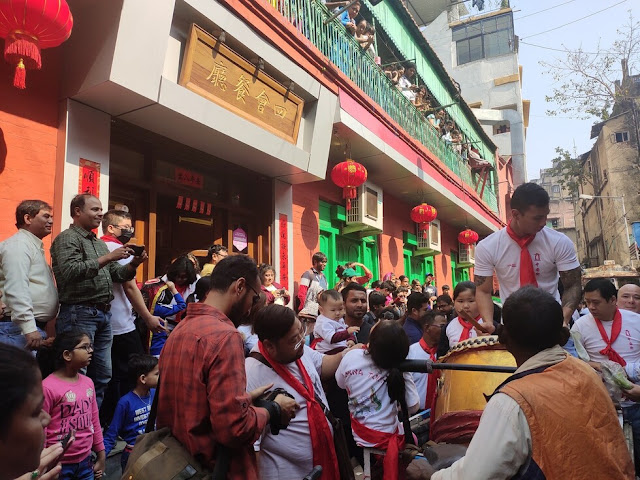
(137, 249)
(66, 440)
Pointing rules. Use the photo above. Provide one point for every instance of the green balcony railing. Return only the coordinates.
(333, 40)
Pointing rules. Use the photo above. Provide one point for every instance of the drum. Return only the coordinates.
(460, 395)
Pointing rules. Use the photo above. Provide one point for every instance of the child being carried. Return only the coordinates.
(331, 332)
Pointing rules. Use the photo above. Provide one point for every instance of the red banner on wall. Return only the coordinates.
(89, 178)
(284, 251)
(188, 178)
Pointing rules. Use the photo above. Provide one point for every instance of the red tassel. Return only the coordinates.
(20, 77)
(348, 204)
(24, 47)
(424, 231)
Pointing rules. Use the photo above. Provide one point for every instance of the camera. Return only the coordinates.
(137, 249)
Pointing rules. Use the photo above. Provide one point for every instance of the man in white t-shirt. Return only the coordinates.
(434, 322)
(610, 333)
(527, 252)
(405, 84)
(127, 301)
(290, 453)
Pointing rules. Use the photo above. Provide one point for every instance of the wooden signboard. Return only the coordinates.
(216, 72)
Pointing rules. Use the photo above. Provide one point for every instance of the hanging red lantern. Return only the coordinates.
(28, 26)
(349, 175)
(468, 237)
(423, 215)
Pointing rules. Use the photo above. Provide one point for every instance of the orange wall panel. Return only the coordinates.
(28, 138)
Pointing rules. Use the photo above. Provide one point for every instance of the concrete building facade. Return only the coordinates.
(562, 204)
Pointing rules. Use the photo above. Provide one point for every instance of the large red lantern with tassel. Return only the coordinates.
(28, 26)
(423, 215)
(468, 237)
(349, 175)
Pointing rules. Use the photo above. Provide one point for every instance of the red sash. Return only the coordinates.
(324, 453)
(615, 331)
(466, 327)
(393, 443)
(527, 275)
(432, 378)
(110, 238)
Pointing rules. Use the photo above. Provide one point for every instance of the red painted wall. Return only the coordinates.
(28, 138)
(390, 242)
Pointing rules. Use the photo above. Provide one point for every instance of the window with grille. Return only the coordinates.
(484, 38)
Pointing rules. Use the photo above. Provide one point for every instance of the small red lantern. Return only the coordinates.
(468, 237)
(423, 215)
(28, 26)
(349, 175)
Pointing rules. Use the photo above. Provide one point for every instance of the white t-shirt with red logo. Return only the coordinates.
(369, 401)
(551, 252)
(455, 329)
(627, 344)
(421, 380)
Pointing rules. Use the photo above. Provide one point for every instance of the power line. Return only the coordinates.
(545, 10)
(577, 20)
(554, 49)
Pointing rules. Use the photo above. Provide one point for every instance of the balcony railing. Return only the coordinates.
(333, 40)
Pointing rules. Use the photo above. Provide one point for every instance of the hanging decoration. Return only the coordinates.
(423, 215)
(468, 237)
(28, 26)
(349, 175)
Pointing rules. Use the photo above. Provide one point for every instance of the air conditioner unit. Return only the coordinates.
(365, 214)
(466, 255)
(429, 245)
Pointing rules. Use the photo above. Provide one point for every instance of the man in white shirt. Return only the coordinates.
(527, 252)
(405, 84)
(26, 280)
(127, 301)
(519, 434)
(282, 358)
(610, 333)
(434, 322)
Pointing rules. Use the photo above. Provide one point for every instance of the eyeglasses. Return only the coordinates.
(87, 348)
(444, 325)
(256, 297)
(125, 227)
(301, 341)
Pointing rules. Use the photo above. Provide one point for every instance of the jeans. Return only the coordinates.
(97, 325)
(78, 471)
(124, 458)
(11, 334)
(632, 415)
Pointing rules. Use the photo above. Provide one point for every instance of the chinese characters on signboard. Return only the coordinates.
(216, 72)
(188, 178)
(89, 178)
(284, 250)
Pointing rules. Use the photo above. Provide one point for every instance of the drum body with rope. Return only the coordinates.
(460, 396)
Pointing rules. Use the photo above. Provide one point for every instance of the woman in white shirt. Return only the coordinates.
(375, 387)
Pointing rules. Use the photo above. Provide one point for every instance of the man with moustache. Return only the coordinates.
(354, 296)
(203, 396)
(26, 281)
(85, 270)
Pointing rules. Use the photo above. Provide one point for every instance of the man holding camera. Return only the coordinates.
(85, 271)
(127, 301)
(203, 396)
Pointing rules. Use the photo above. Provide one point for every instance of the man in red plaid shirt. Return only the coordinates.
(202, 396)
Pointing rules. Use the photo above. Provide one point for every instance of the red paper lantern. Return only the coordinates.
(349, 175)
(423, 215)
(468, 237)
(28, 26)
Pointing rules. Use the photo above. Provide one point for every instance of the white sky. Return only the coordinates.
(544, 132)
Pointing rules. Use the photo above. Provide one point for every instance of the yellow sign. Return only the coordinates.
(219, 74)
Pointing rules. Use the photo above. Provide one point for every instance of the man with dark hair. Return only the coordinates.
(610, 333)
(85, 270)
(203, 398)
(444, 304)
(519, 435)
(214, 255)
(428, 288)
(433, 324)
(26, 282)
(405, 83)
(311, 284)
(117, 230)
(281, 358)
(527, 252)
(417, 306)
(377, 302)
(354, 296)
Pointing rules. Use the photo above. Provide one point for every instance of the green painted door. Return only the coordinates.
(370, 255)
(457, 274)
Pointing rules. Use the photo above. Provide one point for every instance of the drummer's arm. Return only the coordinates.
(571, 281)
(484, 287)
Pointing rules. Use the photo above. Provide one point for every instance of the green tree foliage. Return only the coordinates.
(585, 82)
(570, 172)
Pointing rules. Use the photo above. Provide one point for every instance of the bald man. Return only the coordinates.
(629, 297)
